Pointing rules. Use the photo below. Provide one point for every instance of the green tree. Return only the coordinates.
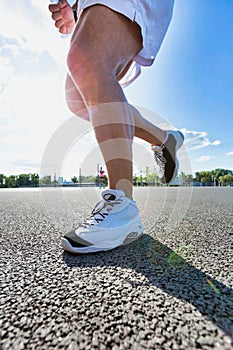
(205, 179)
(135, 180)
(226, 179)
(189, 179)
(151, 176)
(183, 177)
(197, 177)
(154, 178)
(74, 179)
(90, 178)
(11, 181)
(46, 180)
(221, 179)
(23, 180)
(205, 176)
(222, 172)
(35, 180)
(2, 180)
(147, 178)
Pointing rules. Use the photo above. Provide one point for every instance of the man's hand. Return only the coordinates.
(62, 14)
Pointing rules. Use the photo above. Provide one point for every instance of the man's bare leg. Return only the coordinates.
(143, 129)
(94, 68)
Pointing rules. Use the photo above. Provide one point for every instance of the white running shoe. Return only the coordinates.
(165, 156)
(114, 221)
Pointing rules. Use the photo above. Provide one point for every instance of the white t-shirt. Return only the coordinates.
(153, 16)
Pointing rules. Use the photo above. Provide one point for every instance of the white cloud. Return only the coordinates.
(6, 71)
(32, 99)
(203, 159)
(216, 143)
(229, 153)
(32, 109)
(35, 28)
(197, 139)
(15, 59)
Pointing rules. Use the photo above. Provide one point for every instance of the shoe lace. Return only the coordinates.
(159, 157)
(99, 213)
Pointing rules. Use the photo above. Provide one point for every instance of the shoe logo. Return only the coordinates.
(109, 197)
(133, 235)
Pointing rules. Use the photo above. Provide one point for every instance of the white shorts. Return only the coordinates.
(153, 16)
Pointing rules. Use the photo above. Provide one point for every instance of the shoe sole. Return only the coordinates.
(179, 143)
(130, 238)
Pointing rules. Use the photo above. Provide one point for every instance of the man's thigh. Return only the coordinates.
(108, 38)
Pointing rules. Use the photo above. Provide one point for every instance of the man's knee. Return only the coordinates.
(77, 62)
(87, 69)
(74, 100)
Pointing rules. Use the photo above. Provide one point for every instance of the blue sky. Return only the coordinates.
(190, 84)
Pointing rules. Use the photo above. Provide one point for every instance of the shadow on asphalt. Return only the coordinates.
(167, 270)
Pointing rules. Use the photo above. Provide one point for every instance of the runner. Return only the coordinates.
(102, 178)
(110, 41)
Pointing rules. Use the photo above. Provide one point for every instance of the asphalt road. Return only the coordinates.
(171, 289)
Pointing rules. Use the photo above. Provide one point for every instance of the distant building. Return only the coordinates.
(178, 181)
(196, 184)
(67, 182)
(60, 180)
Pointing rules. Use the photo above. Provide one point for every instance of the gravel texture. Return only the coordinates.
(171, 289)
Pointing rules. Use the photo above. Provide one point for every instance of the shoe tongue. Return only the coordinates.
(112, 195)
